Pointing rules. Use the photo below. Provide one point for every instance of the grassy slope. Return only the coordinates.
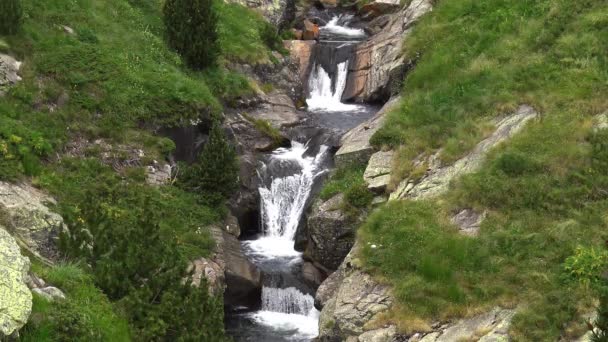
(545, 190)
(119, 77)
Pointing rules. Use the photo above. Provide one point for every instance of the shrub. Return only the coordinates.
(214, 176)
(133, 262)
(10, 16)
(358, 196)
(192, 31)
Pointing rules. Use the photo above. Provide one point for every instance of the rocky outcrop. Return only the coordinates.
(355, 145)
(9, 69)
(273, 10)
(350, 299)
(15, 297)
(379, 65)
(378, 172)
(437, 179)
(488, 327)
(331, 233)
(23, 212)
(300, 51)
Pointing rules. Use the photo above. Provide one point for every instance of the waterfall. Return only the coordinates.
(338, 25)
(284, 201)
(324, 97)
(289, 300)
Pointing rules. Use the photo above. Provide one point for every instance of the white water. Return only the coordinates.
(286, 310)
(333, 27)
(322, 97)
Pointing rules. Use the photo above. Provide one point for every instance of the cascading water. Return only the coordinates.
(289, 175)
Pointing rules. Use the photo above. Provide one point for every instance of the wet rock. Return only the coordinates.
(300, 51)
(243, 279)
(468, 220)
(9, 69)
(24, 213)
(15, 297)
(312, 274)
(355, 145)
(379, 63)
(378, 172)
(331, 233)
(437, 179)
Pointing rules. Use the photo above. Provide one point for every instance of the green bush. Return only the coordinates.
(214, 176)
(10, 16)
(358, 196)
(192, 31)
(132, 261)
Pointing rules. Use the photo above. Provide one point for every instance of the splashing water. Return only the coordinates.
(322, 97)
(334, 27)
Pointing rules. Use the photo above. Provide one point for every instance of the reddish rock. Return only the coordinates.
(311, 30)
(300, 51)
(297, 34)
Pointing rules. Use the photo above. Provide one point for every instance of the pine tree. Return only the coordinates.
(192, 31)
(10, 16)
(214, 176)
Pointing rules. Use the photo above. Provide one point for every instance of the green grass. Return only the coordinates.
(86, 309)
(545, 191)
(348, 180)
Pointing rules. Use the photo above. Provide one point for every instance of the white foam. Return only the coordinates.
(300, 326)
(333, 27)
(322, 98)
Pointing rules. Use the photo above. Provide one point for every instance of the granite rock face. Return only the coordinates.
(379, 65)
(437, 179)
(300, 51)
(331, 233)
(15, 296)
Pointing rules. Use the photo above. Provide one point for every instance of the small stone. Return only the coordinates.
(50, 293)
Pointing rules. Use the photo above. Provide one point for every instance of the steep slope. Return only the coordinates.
(523, 208)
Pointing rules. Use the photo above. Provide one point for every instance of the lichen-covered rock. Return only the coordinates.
(158, 174)
(387, 334)
(9, 69)
(492, 326)
(378, 172)
(24, 213)
(331, 233)
(379, 63)
(354, 302)
(437, 180)
(15, 297)
(355, 144)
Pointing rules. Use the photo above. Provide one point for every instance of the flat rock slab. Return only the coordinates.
(437, 180)
(492, 326)
(355, 145)
(377, 175)
(468, 221)
(15, 296)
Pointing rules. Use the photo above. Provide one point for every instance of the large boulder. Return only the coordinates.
(24, 213)
(331, 233)
(15, 297)
(355, 144)
(437, 179)
(377, 8)
(9, 69)
(379, 64)
(243, 279)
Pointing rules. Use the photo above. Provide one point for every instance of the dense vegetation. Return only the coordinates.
(10, 16)
(545, 191)
(99, 74)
